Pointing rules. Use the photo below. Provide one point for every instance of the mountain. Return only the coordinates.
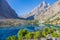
(6, 12)
(54, 19)
(45, 12)
(41, 8)
(52, 11)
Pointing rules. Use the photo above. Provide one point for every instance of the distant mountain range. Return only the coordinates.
(6, 12)
(41, 8)
(52, 11)
(44, 11)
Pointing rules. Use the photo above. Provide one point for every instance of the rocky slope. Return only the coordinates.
(41, 8)
(6, 11)
(53, 10)
(45, 11)
(54, 19)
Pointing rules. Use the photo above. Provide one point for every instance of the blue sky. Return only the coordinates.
(22, 7)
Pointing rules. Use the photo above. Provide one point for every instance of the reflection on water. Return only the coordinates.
(13, 30)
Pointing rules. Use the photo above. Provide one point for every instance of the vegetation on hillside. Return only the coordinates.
(55, 20)
(24, 34)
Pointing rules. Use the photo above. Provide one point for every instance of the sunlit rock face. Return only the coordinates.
(44, 11)
(6, 11)
(52, 11)
(41, 8)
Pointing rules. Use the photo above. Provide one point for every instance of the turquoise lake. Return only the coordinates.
(13, 30)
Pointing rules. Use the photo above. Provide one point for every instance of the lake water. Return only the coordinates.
(13, 30)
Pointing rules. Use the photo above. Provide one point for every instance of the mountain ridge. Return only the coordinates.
(38, 10)
(54, 9)
(43, 14)
(6, 11)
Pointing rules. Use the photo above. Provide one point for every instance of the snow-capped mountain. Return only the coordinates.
(45, 11)
(53, 10)
(41, 8)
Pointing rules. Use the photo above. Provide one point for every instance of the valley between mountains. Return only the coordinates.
(44, 13)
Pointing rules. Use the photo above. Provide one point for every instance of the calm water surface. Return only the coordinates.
(13, 30)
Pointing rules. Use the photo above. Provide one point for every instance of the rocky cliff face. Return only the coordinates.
(6, 11)
(53, 10)
(45, 11)
(38, 10)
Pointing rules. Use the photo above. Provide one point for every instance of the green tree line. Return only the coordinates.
(24, 34)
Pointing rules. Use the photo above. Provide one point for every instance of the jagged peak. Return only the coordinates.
(44, 2)
(48, 4)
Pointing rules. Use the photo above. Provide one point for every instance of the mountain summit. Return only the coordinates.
(6, 11)
(45, 12)
(41, 8)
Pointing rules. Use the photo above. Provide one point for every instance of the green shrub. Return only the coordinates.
(12, 38)
(24, 34)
